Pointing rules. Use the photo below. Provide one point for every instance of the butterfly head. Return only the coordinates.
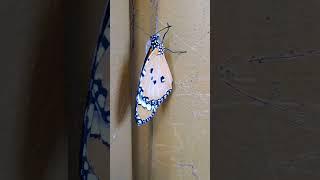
(155, 37)
(156, 43)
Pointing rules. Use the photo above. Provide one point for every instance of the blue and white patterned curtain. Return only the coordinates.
(96, 122)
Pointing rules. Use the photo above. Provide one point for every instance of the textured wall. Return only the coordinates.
(176, 144)
(266, 112)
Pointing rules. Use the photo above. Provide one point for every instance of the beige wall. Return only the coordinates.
(176, 144)
(121, 161)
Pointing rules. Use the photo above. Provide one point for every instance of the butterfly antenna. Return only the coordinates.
(164, 35)
(179, 52)
(168, 26)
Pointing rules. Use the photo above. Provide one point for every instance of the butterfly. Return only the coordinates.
(155, 83)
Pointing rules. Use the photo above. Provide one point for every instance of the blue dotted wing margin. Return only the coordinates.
(96, 121)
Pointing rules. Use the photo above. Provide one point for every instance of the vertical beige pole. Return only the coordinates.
(120, 135)
(141, 136)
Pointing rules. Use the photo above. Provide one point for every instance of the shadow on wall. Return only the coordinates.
(44, 123)
(124, 94)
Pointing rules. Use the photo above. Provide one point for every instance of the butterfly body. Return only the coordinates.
(155, 83)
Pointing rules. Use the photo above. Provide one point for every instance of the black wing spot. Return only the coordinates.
(143, 72)
(154, 82)
(162, 79)
(151, 70)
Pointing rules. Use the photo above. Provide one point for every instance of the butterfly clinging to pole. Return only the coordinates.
(155, 83)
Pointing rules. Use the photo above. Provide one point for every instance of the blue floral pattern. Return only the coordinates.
(96, 122)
